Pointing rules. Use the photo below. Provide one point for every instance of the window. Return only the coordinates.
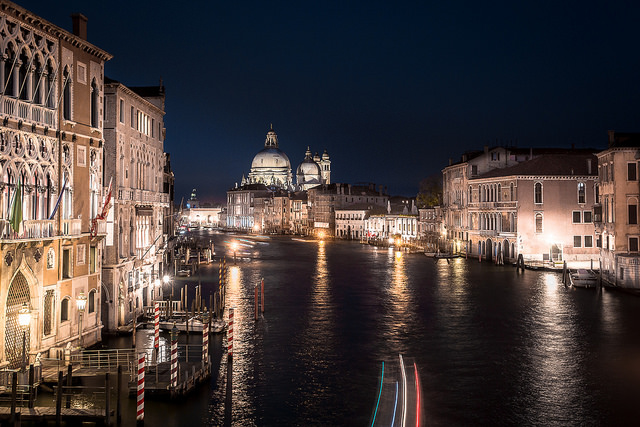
(92, 259)
(577, 241)
(538, 222)
(82, 155)
(94, 105)
(633, 244)
(537, 193)
(82, 254)
(588, 241)
(66, 95)
(66, 263)
(631, 172)
(64, 310)
(581, 192)
(122, 111)
(621, 273)
(474, 170)
(47, 326)
(495, 156)
(633, 213)
(82, 73)
(133, 118)
(91, 301)
(576, 217)
(587, 217)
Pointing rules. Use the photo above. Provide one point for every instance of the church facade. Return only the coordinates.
(271, 174)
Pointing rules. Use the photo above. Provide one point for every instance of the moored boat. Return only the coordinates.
(583, 278)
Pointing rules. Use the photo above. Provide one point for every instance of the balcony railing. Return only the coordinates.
(29, 112)
(142, 196)
(71, 227)
(44, 229)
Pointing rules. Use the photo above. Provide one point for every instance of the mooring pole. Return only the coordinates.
(59, 401)
(107, 400)
(69, 384)
(140, 391)
(31, 382)
(262, 295)
(119, 394)
(255, 302)
(229, 399)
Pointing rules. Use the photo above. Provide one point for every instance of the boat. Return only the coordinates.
(583, 278)
(438, 255)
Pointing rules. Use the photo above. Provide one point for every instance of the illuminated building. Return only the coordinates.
(51, 148)
(540, 208)
(616, 210)
(133, 259)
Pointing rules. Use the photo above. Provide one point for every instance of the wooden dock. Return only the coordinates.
(48, 414)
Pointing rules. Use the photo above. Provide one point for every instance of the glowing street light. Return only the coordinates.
(24, 320)
(81, 301)
(234, 248)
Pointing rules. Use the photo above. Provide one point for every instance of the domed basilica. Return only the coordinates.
(272, 167)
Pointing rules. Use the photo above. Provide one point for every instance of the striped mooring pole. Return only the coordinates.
(174, 356)
(156, 332)
(205, 341)
(140, 411)
(230, 334)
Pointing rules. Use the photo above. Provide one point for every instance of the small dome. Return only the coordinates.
(308, 168)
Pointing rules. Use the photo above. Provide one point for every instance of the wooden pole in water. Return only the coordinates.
(59, 401)
(69, 384)
(210, 307)
(119, 395)
(262, 295)
(14, 393)
(31, 382)
(107, 400)
(255, 302)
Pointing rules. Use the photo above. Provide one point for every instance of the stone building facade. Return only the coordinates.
(135, 165)
(51, 148)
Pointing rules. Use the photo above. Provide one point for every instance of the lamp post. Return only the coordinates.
(234, 246)
(24, 320)
(81, 300)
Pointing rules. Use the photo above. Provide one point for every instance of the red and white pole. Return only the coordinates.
(230, 334)
(262, 295)
(156, 332)
(174, 360)
(205, 341)
(140, 411)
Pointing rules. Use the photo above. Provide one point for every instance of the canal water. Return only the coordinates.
(492, 346)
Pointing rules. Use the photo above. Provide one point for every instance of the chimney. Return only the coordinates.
(464, 157)
(79, 25)
(486, 149)
(450, 161)
(612, 137)
(588, 166)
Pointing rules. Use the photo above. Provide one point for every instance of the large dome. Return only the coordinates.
(308, 173)
(271, 158)
(271, 166)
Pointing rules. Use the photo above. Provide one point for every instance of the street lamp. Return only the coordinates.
(24, 320)
(166, 279)
(81, 300)
(234, 247)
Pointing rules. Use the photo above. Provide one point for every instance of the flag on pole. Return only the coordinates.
(55, 208)
(16, 209)
(107, 199)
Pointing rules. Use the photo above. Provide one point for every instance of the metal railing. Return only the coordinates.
(28, 111)
(106, 360)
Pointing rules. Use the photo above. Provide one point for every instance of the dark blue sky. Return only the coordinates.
(390, 89)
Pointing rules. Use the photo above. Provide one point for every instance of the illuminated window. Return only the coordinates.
(576, 217)
(588, 241)
(537, 193)
(581, 192)
(538, 222)
(577, 241)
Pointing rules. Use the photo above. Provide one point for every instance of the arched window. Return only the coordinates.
(91, 301)
(95, 122)
(66, 98)
(23, 76)
(499, 192)
(9, 66)
(581, 192)
(37, 84)
(50, 87)
(538, 222)
(537, 193)
(64, 309)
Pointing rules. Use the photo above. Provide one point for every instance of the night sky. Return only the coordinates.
(391, 89)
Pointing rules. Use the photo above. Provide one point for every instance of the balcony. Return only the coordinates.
(33, 229)
(29, 112)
